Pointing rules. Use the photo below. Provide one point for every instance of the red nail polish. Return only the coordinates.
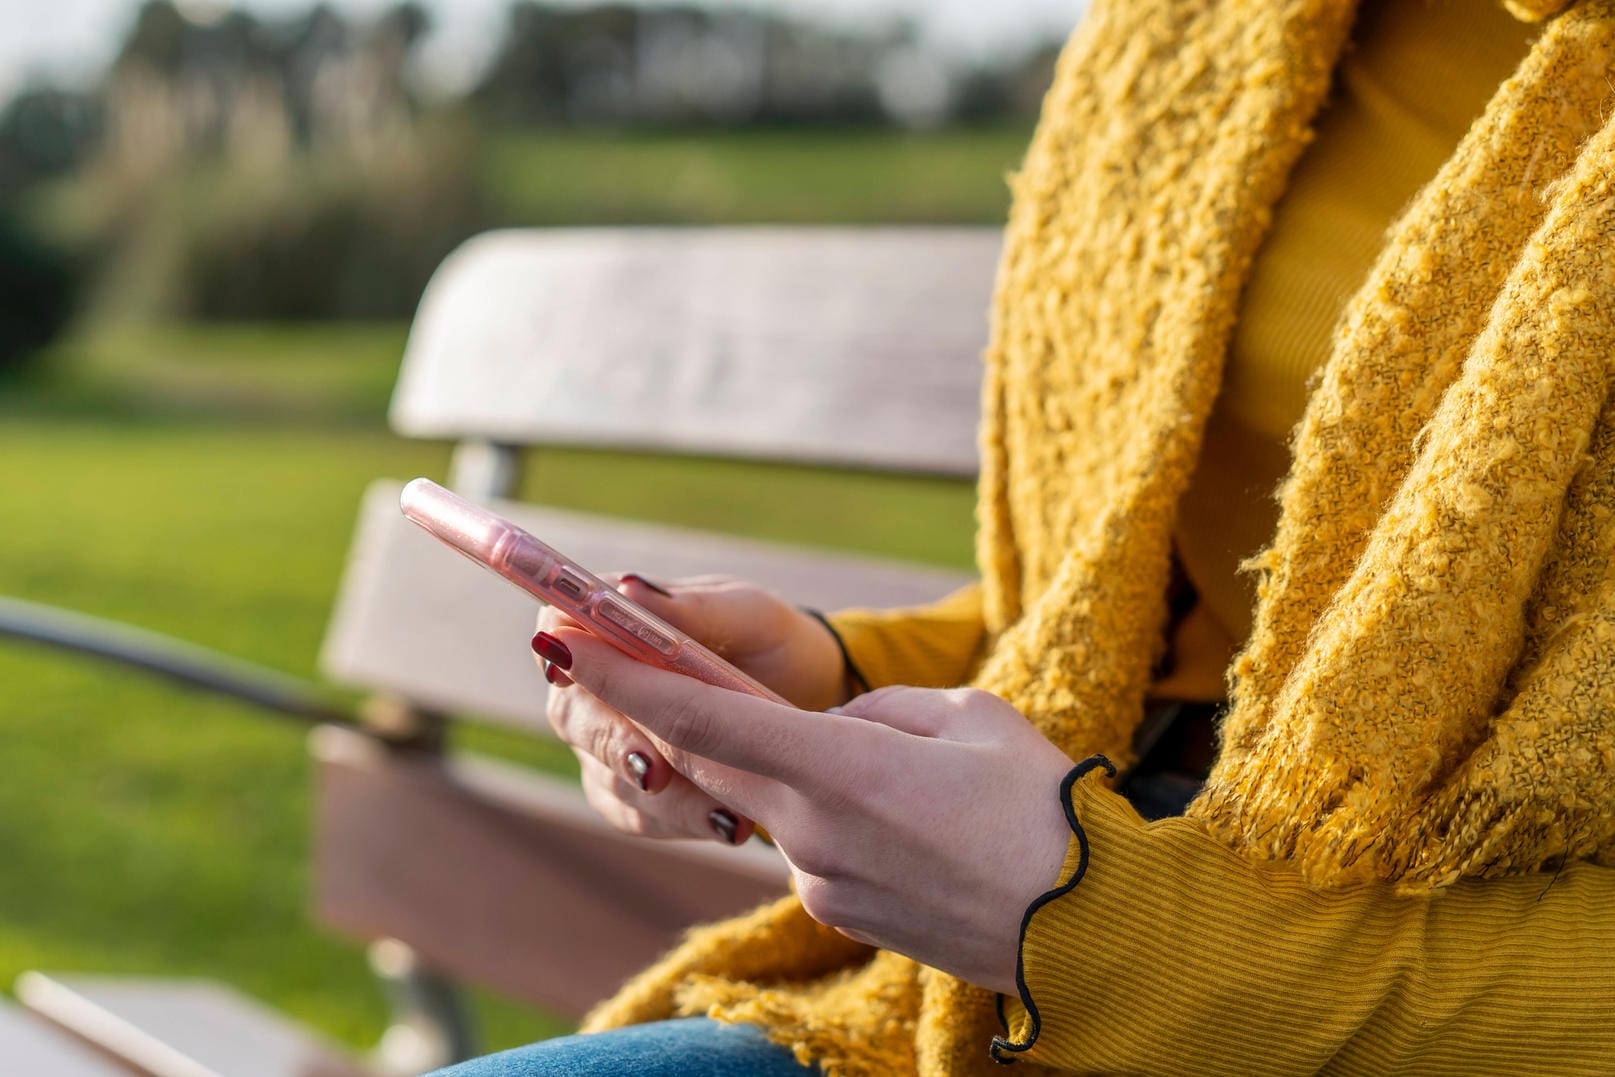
(553, 674)
(658, 588)
(639, 770)
(552, 650)
(723, 824)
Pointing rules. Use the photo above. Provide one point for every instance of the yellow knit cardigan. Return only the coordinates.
(1428, 695)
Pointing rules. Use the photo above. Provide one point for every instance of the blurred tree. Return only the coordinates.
(157, 39)
(1013, 87)
(44, 133)
(180, 86)
(37, 290)
(269, 168)
(335, 238)
(682, 64)
(405, 23)
(243, 165)
(527, 81)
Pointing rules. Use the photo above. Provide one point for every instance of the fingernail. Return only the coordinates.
(639, 769)
(553, 674)
(658, 588)
(552, 650)
(723, 824)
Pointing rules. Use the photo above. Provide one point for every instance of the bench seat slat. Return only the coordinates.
(506, 878)
(181, 1028)
(403, 622)
(30, 1046)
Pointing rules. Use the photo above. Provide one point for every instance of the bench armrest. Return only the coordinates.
(164, 656)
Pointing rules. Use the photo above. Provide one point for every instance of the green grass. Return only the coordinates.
(203, 482)
(149, 830)
(287, 375)
(809, 176)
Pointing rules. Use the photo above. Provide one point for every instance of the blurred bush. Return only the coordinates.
(338, 233)
(38, 284)
(616, 64)
(333, 238)
(231, 166)
(44, 133)
(247, 169)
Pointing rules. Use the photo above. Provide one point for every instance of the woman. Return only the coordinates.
(1389, 222)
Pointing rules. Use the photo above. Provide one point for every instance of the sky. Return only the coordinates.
(69, 39)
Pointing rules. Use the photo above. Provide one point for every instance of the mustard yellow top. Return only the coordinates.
(1403, 857)
(1415, 75)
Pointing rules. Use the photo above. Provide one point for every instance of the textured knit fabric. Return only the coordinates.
(1413, 79)
(1427, 699)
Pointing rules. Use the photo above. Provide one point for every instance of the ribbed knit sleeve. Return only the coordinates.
(1163, 952)
(932, 646)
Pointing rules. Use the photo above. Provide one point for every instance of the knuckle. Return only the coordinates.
(603, 798)
(599, 736)
(635, 823)
(689, 726)
(587, 726)
(869, 702)
(694, 615)
(558, 709)
(822, 900)
(599, 794)
(818, 858)
(979, 700)
(607, 684)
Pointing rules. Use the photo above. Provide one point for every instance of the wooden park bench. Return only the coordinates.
(840, 348)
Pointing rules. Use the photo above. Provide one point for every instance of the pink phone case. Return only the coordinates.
(548, 576)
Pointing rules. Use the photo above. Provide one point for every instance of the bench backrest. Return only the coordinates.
(852, 347)
(855, 348)
(838, 346)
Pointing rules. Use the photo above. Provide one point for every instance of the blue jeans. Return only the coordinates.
(686, 1047)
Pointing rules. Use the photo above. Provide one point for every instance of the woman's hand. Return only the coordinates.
(918, 820)
(625, 777)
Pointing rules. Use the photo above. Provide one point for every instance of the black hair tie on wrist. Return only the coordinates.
(859, 681)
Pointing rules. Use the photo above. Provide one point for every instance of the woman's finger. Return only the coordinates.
(553, 674)
(741, 732)
(598, 731)
(602, 734)
(603, 790)
(679, 811)
(718, 611)
(931, 713)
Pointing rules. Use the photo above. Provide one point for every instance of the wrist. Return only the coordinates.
(849, 679)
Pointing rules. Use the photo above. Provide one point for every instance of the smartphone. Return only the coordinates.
(499, 545)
